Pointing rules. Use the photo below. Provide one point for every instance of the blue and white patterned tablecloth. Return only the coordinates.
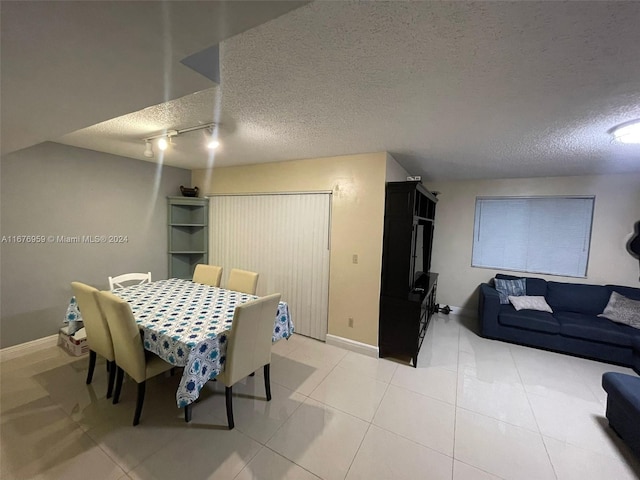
(186, 324)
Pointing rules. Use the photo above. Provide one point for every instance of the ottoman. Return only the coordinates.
(623, 407)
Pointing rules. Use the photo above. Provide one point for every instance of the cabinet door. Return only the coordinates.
(396, 256)
(399, 326)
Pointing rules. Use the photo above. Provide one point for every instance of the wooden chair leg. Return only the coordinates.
(92, 366)
(139, 402)
(187, 413)
(227, 394)
(119, 378)
(267, 381)
(111, 366)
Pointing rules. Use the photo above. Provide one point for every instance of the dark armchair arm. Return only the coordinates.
(488, 309)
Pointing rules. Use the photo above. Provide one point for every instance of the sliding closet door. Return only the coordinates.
(283, 237)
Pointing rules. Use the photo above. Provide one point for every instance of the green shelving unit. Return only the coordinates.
(188, 220)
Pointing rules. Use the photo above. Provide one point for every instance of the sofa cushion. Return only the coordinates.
(526, 302)
(508, 288)
(590, 327)
(621, 309)
(629, 292)
(535, 286)
(528, 319)
(575, 297)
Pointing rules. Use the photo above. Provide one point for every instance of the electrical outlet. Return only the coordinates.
(351, 322)
(355, 258)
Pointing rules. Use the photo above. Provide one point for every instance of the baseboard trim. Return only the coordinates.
(352, 345)
(16, 351)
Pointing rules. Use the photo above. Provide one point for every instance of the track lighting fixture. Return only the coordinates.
(212, 141)
(163, 144)
(148, 149)
(164, 139)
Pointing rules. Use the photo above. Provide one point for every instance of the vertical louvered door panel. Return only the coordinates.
(283, 237)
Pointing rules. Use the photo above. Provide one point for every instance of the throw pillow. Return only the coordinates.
(530, 303)
(510, 287)
(621, 309)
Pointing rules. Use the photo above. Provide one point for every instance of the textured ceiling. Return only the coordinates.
(67, 65)
(453, 90)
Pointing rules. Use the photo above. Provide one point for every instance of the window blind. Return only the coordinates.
(533, 234)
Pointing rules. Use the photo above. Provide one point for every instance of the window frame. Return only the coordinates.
(588, 238)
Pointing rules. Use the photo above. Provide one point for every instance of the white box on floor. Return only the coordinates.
(75, 346)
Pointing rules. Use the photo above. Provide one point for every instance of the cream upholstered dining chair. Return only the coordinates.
(140, 278)
(98, 334)
(207, 274)
(249, 345)
(131, 357)
(242, 281)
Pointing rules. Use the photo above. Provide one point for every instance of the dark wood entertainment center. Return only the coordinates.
(408, 291)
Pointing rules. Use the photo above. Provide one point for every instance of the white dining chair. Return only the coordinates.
(249, 346)
(207, 274)
(242, 281)
(140, 278)
(130, 355)
(98, 333)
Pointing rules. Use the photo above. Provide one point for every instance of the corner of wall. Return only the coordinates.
(395, 172)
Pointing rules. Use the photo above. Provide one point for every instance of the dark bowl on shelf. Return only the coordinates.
(189, 192)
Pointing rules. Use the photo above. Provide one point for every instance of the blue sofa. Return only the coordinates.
(572, 328)
(623, 407)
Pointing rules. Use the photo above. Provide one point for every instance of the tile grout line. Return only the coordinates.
(535, 417)
(482, 470)
(85, 432)
(325, 377)
(358, 449)
(252, 457)
(286, 420)
(280, 455)
(424, 394)
(498, 420)
(91, 439)
(389, 385)
(325, 405)
(306, 397)
(455, 409)
(402, 436)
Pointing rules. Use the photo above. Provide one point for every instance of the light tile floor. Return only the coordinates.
(475, 409)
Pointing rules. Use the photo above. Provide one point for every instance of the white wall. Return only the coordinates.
(617, 208)
(53, 189)
(395, 172)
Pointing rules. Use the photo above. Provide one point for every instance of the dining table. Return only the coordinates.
(187, 324)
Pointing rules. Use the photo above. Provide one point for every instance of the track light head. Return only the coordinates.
(148, 149)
